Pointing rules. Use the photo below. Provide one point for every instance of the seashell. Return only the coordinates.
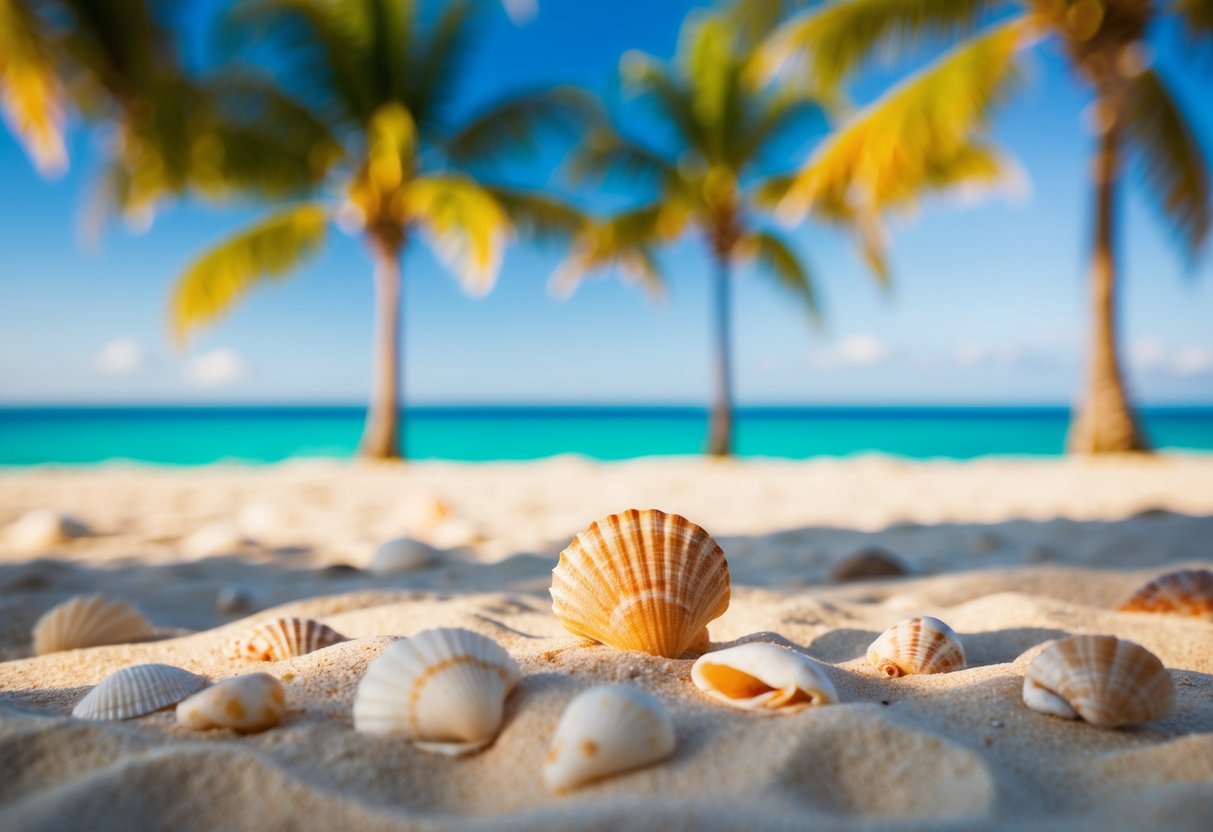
(763, 677)
(283, 638)
(88, 621)
(606, 730)
(233, 600)
(443, 689)
(403, 554)
(917, 645)
(246, 703)
(138, 690)
(1186, 592)
(642, 580)
(218, 538)
(42, 529)
(1102, 679)
(868, 564)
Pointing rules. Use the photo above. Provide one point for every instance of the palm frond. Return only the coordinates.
(1197, 16)
(223, 275)
(435, 69)
(710, 74)
(626, 240)
(645, 76)
(792, 110)
(539, 217)
(775, 257)
(515, 127)
(605, 153)
(754, 20)
(1173, 164)
(465, 225)
(31, 96)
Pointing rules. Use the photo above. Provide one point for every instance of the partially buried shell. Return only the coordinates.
(1102, 679)
(916, 646)
(88, 621)
(283, 638)
(763, 677)
(138, 690)
(443, 689)
(246, 703)
(642, 580)
(1186, 592)
(607, 730)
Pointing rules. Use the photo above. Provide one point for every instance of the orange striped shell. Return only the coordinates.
(642, 580)
(917, 645)
(283, 638)
(1186, 592)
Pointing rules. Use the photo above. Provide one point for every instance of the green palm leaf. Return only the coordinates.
(775, 257)
(540, 217)
(604, 153)
(1197, 15)
(514, 127)
(626, 240)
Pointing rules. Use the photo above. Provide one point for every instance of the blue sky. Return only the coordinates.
(988, 304)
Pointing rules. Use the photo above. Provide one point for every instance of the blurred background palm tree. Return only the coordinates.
(944, 106)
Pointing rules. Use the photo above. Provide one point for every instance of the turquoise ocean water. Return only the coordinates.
(193, 436)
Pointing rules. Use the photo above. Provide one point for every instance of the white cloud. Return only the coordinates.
(1147, 354)
(215, 368)
(1192, 360)
(858, 350)
(121, 356)
(521, 12)
(1152, 355)
(1013, 357)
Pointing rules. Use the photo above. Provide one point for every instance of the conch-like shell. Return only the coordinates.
(763, 677)
(138, 690)
(1102, 679)
(1186, 592)
(607, 730)
(443, 689)
(283, 638)
(917, 645)
(246, 703)
(642, 580)
(88, 621)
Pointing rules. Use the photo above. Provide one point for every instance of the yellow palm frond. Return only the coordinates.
(30, 93)
(775, 256)
(223, 275)
(626, 240)
(465, 224)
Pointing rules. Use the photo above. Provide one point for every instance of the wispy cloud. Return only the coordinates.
(1152, 355)
(858, 350)
(215, 368)
(1013, 357)
(521, 12)
(120, 357)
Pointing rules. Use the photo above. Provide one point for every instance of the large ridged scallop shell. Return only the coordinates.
(1105, 680)
(607, 730)
(88, 621)
(917, 645)
(138, 690)
(763, 677)
(1186, 592)
(246, 703)
(642, 580)
(283, 638)
(443, 689)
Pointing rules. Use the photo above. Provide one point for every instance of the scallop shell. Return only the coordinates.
(763, 677)
(88, 621)
(1102, 679)
(606, 730)
(138, 690)
(283, 638)
(916, 646)
(443, 689)
(642, 580)
(246, 703)
(1186, 592)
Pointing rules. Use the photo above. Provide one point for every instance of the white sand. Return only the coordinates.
(1010, 553)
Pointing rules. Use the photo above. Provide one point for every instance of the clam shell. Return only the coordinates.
(915, 646)
(403, 554)
(763, 677)
(138, 690)
(1102, 679)
(42, 529)
(88, 621)
(443, 689)
(283, 638)
(1186, 592)
(607, 730)
(246, 703)
(642, 580)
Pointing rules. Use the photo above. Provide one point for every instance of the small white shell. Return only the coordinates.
(138, 690)
(443, 689)
(403, 554)
(915, 646)
(42, 529)
(606, 730)
(246, 703)
(763, 677)
(283, 638)
(88, 621)
(218, 538)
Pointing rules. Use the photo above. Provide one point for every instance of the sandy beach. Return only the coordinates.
(1011, 553)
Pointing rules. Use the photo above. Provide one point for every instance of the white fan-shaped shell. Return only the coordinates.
(138, 690)
(42, 529)
(246, 703)
(443, 689)
(607, 730)
(403, 554)
(1102, 679)
(763, 677)
(915, 646)
(88, 621)
(283, 638)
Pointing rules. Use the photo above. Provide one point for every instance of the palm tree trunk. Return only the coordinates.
(1104, 421)
(381, 436)
(720, 427)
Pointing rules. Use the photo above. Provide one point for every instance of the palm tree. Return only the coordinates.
(1133, 111)
(373, 86)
